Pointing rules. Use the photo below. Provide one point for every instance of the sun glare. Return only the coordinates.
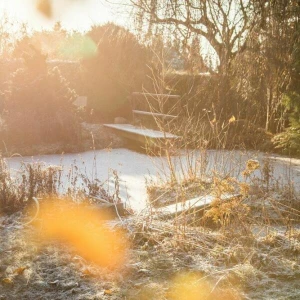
(149, 149)
(43, 14)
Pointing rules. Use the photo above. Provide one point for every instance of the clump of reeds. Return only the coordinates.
(233, 237)
(38, 180)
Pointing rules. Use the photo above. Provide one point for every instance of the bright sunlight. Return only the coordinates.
(149, 149)
(73, 15)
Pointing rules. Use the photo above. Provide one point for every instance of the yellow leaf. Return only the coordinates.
(87, 272)
(232, 119)
(20, 270)
(7, 280)
(108, 292)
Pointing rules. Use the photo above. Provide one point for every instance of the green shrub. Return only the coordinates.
(289, 141)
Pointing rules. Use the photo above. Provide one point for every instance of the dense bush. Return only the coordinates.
(289, 140)
(195, 90)
(205, 93)
(118, 68)
(37, 106)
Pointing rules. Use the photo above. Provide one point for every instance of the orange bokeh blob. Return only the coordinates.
(190, 286)
(84, 229)
(44, 7)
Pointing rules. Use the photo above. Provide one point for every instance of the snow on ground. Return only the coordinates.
(134, 167)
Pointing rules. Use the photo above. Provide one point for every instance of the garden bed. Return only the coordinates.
(93, 136)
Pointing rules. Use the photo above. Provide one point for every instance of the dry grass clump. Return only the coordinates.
(32, 267)
(250, 262)
(42, 181)
(228, 242)
(32, 180)
(248, 244)
(164, 194)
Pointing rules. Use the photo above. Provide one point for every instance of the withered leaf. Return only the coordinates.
(108, 292)
(44, 7)
(20, 270)
(7, 280)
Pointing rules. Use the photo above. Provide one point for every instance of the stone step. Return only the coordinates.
(152, 114)
(140, 134)
(191, 205)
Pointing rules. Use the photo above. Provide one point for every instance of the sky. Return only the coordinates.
(77, 15)
(73, 14)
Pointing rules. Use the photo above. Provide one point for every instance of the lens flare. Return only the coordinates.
(190, 286)
(78, 47)
(45, 8)
(83, 229)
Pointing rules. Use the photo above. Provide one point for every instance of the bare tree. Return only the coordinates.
(224, 24)
(265, 71)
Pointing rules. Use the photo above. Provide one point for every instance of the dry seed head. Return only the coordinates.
(252, 165)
